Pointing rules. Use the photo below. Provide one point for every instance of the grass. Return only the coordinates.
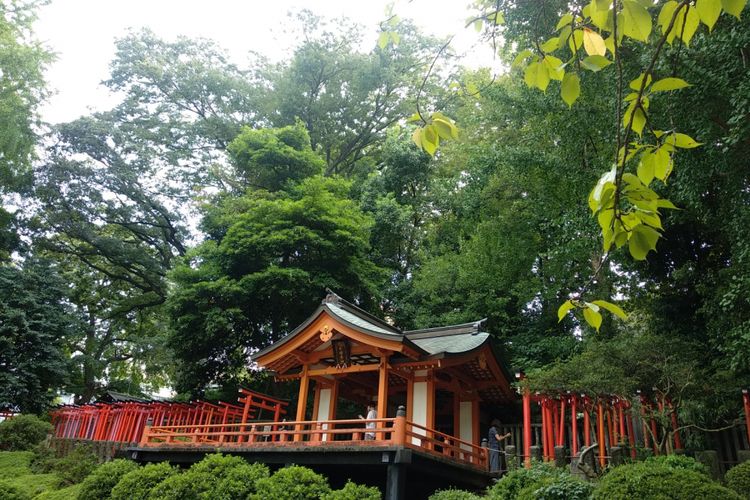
(14, 469)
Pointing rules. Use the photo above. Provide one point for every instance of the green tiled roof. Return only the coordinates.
(359, 320)
(452, 344)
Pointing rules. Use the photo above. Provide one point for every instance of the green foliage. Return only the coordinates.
(452, 494)
(44, 459)
(562, 487)
(738, 479)
(293, 483)
(99, 484)
(10, 492)
(34, 319)
(15, 471)
(23, 432)
(271, 158)
(67, 493)
(678, 462)
(644, 480)
(353, 490)
(76, 465)
(540, 474)
(138, 484)
(189, 485)
(240, 481)
(266, 265)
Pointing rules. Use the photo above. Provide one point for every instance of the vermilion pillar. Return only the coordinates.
(527, 427)
(746, 400)
(573, 426)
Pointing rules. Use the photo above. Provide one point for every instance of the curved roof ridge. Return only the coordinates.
(333, 298)
(471, 328)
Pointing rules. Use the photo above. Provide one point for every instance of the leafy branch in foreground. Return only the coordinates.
(628, 210)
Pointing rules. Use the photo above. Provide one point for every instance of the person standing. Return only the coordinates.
(494, 440)
(371, 415)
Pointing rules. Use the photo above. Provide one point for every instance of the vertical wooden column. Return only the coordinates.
(304, 385)
(382, 391)
(573, 426)
(527, 428)
(746, 403)
(600, 430)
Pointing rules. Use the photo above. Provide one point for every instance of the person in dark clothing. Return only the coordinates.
(495, 441)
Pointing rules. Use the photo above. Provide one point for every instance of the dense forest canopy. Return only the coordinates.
(160, 242)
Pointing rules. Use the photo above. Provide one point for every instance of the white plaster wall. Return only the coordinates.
(324, 406)
(419, 408)
(466, 428)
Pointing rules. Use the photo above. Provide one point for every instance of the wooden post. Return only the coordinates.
(382, 391)
(527, 428)
(304, 384)
(398, 437)
(600, 428)
(561, 433)
(573, 426)
(746, 401)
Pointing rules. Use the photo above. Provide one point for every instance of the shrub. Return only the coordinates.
(292, 483)
(44, 459)
(137, 484)
(738, 479)
(23, 432)
(76, 465)
(561, 487)
(509, 487)
(218, 465)
(98, 485)
(190, 485)
(652, 480)
(10, 492)
(351, 491)
(453, 495)
(678, 462)
(239, 482)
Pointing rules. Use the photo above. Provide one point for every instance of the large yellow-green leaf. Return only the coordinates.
(662, 164)
(646, 168)
(595, 63)
(564, 21)
(708, 11)
(575, 42)
(593, 43)
(593, 318)
(550, 45)
(636, 83)
(683, 141)
(563, 310)
(638, 118)
(734, 7)
(636, 21)
(616, 310)
(666, 84)
(554, 67)
(665, 17)
(570, 88)
(642, 240)
(521, 57)
(445, 128)
(687, 24)
(537, 75)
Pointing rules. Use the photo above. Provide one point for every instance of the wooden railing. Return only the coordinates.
(357, 432)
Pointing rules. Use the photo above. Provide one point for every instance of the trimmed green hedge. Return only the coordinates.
(137, 484)
(23, 432)
(652, 480)
(354, 491)
(293, 483)
(99, 484)
(738, 479)
(452, 494)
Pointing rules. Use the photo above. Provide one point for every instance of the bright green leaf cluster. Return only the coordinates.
(438, 127)
(591, 311)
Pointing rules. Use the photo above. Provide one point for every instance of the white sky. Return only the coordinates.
(82, 34)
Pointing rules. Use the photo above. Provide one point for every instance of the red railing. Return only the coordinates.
(329, 433)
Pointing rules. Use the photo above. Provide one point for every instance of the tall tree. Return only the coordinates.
(267, 260)
(22, 89)
(34, 321)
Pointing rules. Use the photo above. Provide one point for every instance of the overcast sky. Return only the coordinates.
(82, 34)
